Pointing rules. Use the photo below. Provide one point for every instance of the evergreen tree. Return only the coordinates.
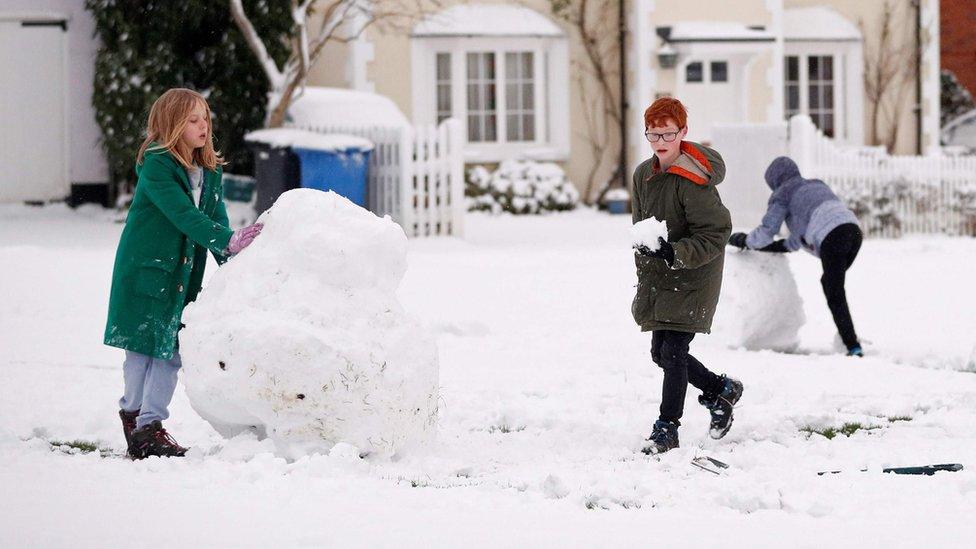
(956, 99)
(149, 46)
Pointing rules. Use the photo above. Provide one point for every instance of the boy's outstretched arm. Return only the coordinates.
(178, 208)
(766, 232)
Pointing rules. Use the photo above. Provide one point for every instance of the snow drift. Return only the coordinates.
(300, 338)
(760, 306)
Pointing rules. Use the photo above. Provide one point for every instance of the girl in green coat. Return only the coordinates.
(177, 216)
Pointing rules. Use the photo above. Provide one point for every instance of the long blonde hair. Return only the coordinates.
(168, 118)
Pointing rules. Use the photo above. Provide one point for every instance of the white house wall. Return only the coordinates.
(86, 161)
(755, 91)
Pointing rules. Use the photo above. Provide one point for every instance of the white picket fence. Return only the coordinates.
(416, 175)
(891, 195)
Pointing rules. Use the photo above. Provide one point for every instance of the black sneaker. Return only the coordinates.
(153, 440)
(663, 437)
(721, 405)
(128, 424)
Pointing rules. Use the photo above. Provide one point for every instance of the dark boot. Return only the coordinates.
(128, 424)
(721, 405)
(153, 440)
(664, 437)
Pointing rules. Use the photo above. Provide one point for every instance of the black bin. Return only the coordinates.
(276, 170)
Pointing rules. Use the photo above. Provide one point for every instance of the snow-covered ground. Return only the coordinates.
(547, 390)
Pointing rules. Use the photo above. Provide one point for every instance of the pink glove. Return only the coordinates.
(242, 238)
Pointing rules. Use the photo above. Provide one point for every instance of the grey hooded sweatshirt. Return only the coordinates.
(811, 210)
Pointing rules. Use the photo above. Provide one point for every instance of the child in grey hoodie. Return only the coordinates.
(818, 222)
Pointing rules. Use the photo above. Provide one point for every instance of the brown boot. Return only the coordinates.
(153, 440)
(128, 424)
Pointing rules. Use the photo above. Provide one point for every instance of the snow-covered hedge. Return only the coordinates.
(884, 209)
(520, 187)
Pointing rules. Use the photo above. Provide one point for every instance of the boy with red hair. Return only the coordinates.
(678, 284)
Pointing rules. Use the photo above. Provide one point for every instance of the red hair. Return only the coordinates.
(663, 110)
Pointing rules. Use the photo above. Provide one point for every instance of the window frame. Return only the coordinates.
(837, 82)
(550, 81)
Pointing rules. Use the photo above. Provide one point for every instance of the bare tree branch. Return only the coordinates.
(271, 71)
(595, 77)
(351, 16)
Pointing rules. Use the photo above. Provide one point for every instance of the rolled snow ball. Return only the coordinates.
(300, 337)
(760, 306)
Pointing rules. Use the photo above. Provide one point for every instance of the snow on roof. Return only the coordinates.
(301, 139)
(704, 31)
(487, 20)
(819, 23)
(340, 107)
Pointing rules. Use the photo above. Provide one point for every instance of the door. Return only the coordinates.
(33, 156)
(708, 88)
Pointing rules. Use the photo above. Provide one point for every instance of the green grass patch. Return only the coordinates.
(846, 429)
(892, 419)
(74, 446)
(505, 428)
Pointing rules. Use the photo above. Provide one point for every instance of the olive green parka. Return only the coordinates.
(684, 295)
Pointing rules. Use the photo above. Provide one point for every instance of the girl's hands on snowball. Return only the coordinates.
(242, 238)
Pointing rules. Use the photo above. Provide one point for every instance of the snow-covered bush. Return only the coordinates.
(875, 207)
(301, 338)
(520, 187)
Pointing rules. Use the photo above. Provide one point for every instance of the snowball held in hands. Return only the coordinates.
(647, 234)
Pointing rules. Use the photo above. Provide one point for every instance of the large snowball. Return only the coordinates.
(301, 338)
(760, 307)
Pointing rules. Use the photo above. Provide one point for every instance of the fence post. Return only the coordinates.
(406, 184)
(455, 145)
(802, 143)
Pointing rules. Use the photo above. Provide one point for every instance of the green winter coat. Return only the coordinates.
(162, 254)
(682, 297)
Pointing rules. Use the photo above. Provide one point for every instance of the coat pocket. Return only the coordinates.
(641, 307)
(153, 278)
(679, 307)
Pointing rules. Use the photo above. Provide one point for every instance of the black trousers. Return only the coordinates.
(669, 350)
(837, 253)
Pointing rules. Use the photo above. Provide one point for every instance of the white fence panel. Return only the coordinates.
(416, 175)
(891, 195)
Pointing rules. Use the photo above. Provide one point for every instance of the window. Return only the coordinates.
(792, 93)
(809, 88)
(520, 96)
(719, 71)
(443, 86)
(510, 95)
(820, 85)
(694, 72)
(482, 113)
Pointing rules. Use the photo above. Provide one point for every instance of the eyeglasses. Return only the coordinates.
(668, 137)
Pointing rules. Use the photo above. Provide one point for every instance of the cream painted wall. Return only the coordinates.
(867, 14)
(331, 68)
(753, 12)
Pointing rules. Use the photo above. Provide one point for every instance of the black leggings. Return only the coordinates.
(669, 350)
(837, 253)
